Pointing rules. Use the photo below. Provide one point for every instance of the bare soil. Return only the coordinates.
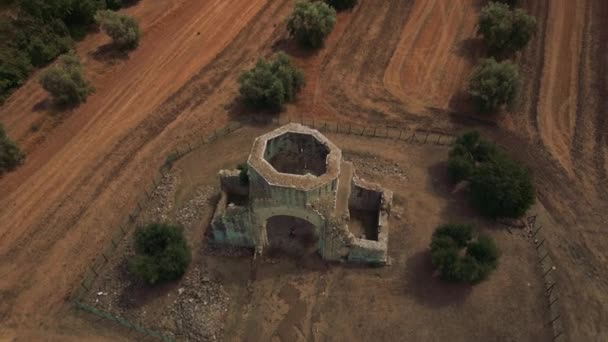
(394, 62)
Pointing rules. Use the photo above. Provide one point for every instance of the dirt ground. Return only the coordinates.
(395, 62)
(299, 297)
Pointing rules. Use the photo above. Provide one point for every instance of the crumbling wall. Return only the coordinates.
(292, 196)
(364, 195)
(232, 224)
(368, 252)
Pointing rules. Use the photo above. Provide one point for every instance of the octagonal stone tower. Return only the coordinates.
(297, 174)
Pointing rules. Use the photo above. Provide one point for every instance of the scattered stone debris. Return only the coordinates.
(199, 309)
(163, 197)
(373, 165)
(191, 212)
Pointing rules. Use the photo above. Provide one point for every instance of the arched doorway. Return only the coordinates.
(291, 235)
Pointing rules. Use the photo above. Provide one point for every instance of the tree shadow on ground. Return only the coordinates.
(427, 288)
(471, 49)
(137, 293)
(239, 111)
(293, 49)
(43, 105)
(109, 53)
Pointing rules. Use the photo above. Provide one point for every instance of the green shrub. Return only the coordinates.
(65, 82)
(271, 83)
(479, 260)
(14, 69)
(162, 253)
(123, 29)
(505, 30)
(10, 154)
(460, 168)
(340, 5)
(243, 174)
(501, 188)
(494, 84)
(311, 22)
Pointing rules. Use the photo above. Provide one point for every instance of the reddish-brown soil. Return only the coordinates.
(402, 63)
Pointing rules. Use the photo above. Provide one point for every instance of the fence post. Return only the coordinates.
(543, 258)
(550, 288)
(549, 270)
(540, 244)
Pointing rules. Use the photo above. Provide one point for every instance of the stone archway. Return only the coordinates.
(291, 235)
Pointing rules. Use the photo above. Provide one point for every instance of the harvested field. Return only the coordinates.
(394, 62)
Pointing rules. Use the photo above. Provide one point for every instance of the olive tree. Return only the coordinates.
(498, 185)
(64, 81)
(123, 29)
(10, 154)
(501, 188)
(474, 265)
(271, 83)
(494, 84)
(310, 22)
(162, 253)
(505, 30)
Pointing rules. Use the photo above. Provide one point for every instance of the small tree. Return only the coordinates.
(162, 253)
(494, 84)
(311, 22)
(499, 186)
(341, 5)
(10, 154)
(505, 30)
(271, 83)
(243, 173)
(65, 82)
(123, 29)
(502, 188)
(479, 260)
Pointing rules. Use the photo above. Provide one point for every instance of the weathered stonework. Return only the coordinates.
(314, 184)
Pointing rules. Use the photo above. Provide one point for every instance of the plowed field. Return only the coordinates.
(396, 62)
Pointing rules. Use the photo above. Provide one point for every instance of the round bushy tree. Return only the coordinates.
(65, 82)
(10, 154)
(479, 260)
(494, 84)
(162, 253)
(271, 83)
(505, 30)
(311, 22)
(502, 188)
(123, 29)
(341, 5)
(499, 186)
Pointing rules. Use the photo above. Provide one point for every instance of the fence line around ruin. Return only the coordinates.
(548, 269)
(419, 136)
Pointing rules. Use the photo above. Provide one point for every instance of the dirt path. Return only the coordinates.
(429, 65)
(558, 93)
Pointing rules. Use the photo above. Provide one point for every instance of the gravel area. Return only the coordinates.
(367, 164)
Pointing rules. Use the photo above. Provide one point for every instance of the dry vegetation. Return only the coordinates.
(403, 63)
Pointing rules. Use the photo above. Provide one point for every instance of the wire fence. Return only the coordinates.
(548, 270)
(413, 136)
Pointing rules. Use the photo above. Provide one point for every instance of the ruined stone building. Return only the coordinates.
(301, 195)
